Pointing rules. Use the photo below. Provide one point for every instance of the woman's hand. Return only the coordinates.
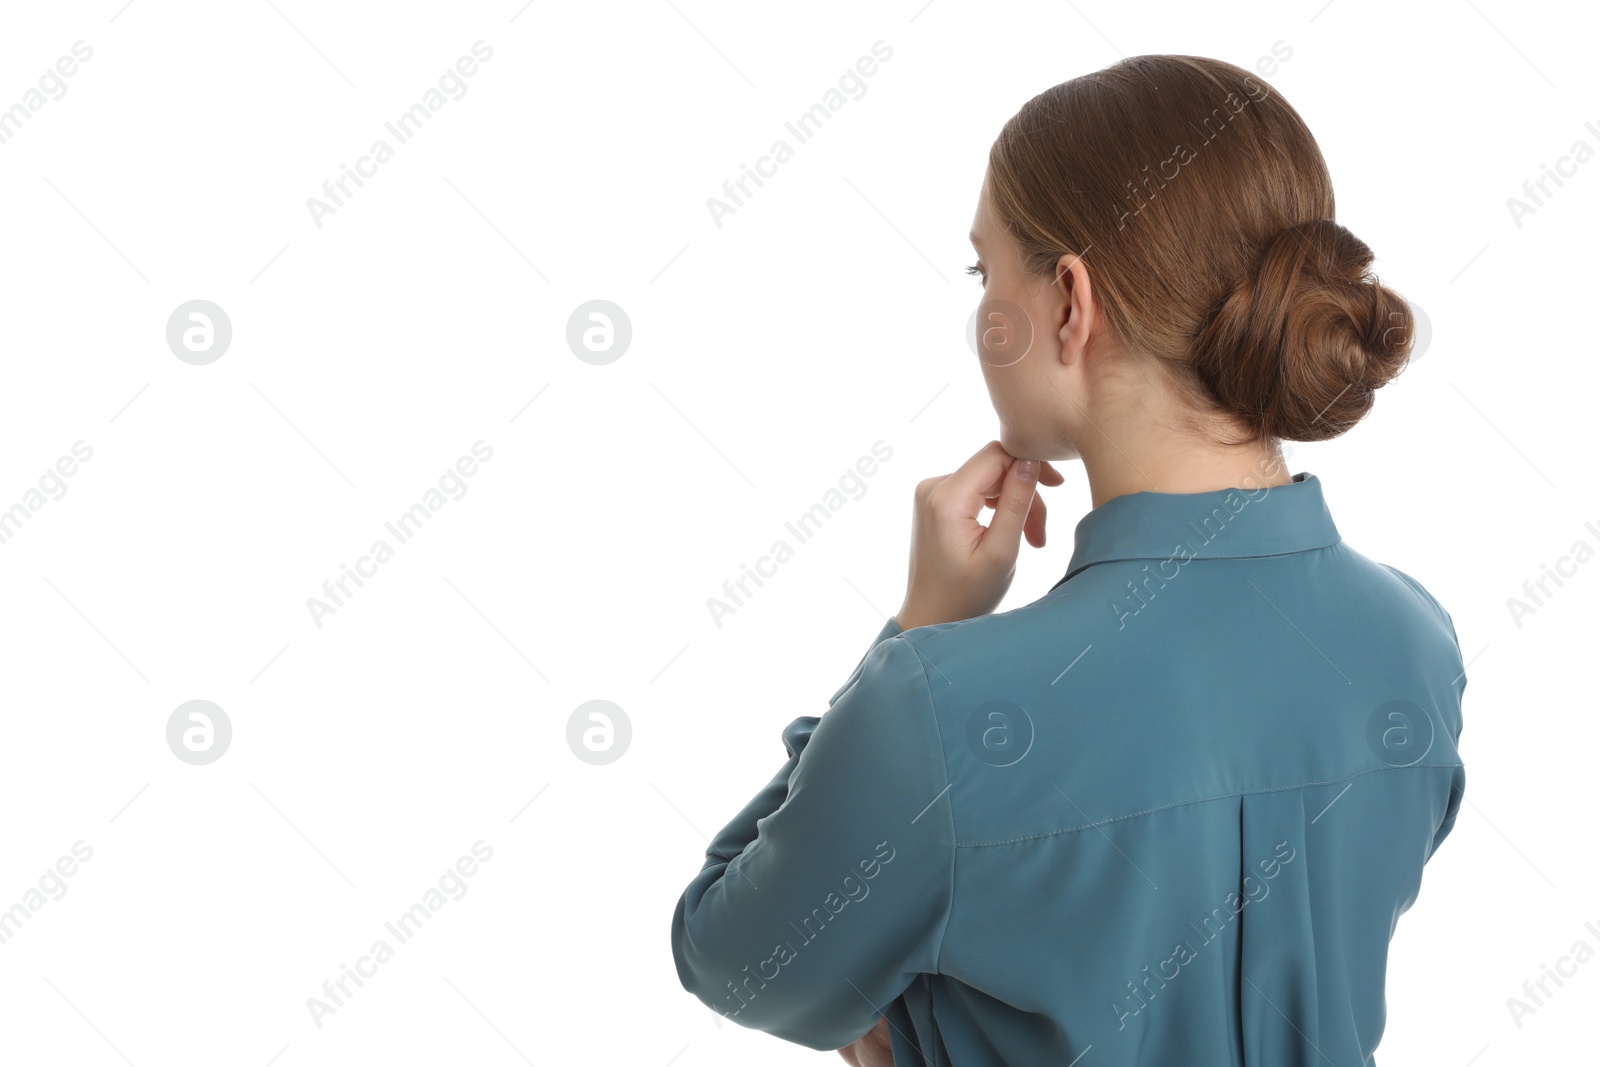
(960, 568)
(873, 1049)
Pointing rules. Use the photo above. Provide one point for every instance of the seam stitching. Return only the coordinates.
(1200, 558)
(1200, 800)
(950, 801)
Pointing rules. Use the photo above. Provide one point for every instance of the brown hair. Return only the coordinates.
(1203, 211)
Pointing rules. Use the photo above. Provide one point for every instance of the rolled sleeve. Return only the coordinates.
(829, 892)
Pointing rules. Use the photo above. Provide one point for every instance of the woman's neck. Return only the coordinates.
(1178, 465)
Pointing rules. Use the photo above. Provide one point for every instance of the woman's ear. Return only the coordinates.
(1072, 281)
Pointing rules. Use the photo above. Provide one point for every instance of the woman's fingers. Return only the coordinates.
(1033, 529)
(1011, 510)
(959, 567)
(978, 482)
(990, 463)
(1033, 524)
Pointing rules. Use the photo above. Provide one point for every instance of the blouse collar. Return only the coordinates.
(1220, 523)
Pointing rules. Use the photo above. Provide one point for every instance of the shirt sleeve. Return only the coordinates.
(890, 629)
(1453, 718)
(1458, 787)
(829, 892)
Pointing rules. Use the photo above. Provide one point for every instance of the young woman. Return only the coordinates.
(1171, 810)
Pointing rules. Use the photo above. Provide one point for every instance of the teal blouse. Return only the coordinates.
(1169, 812)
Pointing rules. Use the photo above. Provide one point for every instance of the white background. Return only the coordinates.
(768, 354)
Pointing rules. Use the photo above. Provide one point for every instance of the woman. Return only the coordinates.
(1171, 810)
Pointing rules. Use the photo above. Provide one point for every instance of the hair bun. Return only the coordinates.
(1299, 348)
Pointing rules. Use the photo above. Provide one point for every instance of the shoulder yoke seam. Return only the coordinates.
(1199, 800)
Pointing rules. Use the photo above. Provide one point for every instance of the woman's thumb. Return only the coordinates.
(1016, 499)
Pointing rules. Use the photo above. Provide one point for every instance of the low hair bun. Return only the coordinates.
(1298, 349)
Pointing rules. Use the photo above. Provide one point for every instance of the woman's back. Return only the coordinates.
(1224, 804)
(1171, 810)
